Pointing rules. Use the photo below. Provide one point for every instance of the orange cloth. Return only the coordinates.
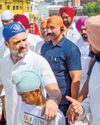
(93, 31)
(36, 29)
(43, 23)
(67, 10)
(55, 21)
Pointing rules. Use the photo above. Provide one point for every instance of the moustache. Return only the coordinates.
(50, 34)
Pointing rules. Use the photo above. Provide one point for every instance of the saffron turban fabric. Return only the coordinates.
(26, 81)
(55, 21)
(22, 19)
(67, 10)
(93, 31)
(43, 23)
(80, 22)
(36, 29)
(11, 30)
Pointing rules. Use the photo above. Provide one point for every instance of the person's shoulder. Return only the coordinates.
(46, 44)
(35, 37)
(69, 44)
(31, 108)
(5, 62)
(4, 59)
(45, 47)
(37, 57)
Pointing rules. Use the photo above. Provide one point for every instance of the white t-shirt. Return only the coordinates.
(7, 67)
(32, 115)
(92, 102)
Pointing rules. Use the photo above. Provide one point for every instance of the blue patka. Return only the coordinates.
(11, 30)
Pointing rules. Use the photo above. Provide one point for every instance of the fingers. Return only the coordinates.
(76, 106)
(71, 116)
(50, 110)
(49, 114)
(70, 99)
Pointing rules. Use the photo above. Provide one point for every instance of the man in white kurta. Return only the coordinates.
(29, 61)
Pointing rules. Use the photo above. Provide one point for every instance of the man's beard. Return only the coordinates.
(17, 53)
(68, 23)
(85, 37)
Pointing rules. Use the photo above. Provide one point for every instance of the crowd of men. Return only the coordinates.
(50, 76)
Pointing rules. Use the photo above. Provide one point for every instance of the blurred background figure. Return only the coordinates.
(43, 30)
(84, 47)
(7, 17)
(34, 29)
(67, 14)
(82, 28)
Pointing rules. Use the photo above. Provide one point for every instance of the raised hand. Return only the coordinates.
(75, 110)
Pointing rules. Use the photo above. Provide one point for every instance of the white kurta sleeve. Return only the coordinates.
(86, 105)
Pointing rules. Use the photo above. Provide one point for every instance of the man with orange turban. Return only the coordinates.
(92, 102)
(43, 30)
(64, 58)
(67, 14)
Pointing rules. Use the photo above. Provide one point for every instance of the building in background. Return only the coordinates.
(76, 3)
(86, 1)
(17, 6)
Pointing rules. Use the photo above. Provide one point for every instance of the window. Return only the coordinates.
(8, 7)
(13, 7)
(17, 7)
(20, 7)
(0, 7)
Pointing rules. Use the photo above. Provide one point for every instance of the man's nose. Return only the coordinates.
(22, 44)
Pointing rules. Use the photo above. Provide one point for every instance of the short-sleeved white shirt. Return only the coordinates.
(7, 67)
(32, 115)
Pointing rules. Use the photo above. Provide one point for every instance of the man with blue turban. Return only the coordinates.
(19, 59)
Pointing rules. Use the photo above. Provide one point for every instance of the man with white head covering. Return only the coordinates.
(7, 17)
(92, 102)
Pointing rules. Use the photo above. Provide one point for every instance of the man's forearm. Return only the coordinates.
(1, 88)
(75, 89)
(83, 93)
(55, 95)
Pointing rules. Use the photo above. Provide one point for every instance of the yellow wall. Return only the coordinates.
(16, 6)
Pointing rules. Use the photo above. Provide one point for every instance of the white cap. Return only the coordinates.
(7, 15)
